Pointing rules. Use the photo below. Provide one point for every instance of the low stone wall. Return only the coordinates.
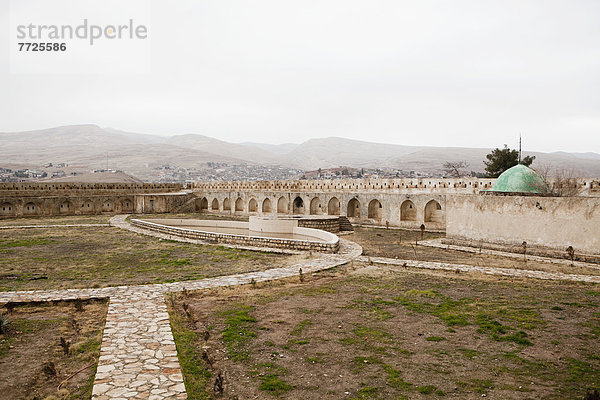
(253, 241)
(324, 224)
(553, 222)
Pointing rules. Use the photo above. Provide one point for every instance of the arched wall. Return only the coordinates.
(266, 206)
(315, 206)
(333, 206)
(252, 205)
(298, 205)
(282, 205)
(336, 203)
(375, 210)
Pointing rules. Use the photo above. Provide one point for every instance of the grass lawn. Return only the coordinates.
(82, 257)
(32, 361)
(367, 332)
(66, 220)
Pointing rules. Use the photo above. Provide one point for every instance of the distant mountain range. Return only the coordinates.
(89, 146)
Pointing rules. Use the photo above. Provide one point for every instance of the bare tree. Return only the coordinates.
(566, 183)
(455, 168)
(561, 182)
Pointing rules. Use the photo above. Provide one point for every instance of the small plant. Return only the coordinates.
(187, 311)
(10, 306)
(66, 345)
(4, 323)
(218, 385)
(571, 254)
(78, 305)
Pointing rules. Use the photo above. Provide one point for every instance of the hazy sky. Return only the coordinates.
(441, 73)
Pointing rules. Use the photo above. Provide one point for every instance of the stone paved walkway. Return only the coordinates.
(526, 273)
(138, 358)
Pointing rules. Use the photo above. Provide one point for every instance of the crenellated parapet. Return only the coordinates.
(78, 189)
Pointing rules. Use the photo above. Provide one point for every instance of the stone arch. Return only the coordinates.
(375, 210)
(215, 205)
(7, 209)
(282, 205)
(30, 209)
(315, 206)
(353, 209)
(239, 204)
(408, 212)
(201, 204)
(252, 205)
(298, 205)
(87, 206)
(333, 207)
(433, 211)
(66, 207)
(108, 205)
(227, 204)
(266, 205)
(126, 205)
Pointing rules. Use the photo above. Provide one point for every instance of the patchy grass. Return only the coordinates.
(324, 338)
(67, 220)
(274, 385)
(239, 330)
(33, 340)
(38, 259)
(197, 375)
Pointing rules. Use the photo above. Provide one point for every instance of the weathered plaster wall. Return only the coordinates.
(555, 222)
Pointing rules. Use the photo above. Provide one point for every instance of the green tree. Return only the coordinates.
(499, 160)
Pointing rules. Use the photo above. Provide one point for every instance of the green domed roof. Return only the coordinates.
(520, 179)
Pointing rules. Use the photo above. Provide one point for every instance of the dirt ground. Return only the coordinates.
(83, 257)
(368, 332)
(399, 243)
(32, 360)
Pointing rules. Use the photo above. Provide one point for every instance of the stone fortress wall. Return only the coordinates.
(398, 202)
(454, 205)
(49, 199)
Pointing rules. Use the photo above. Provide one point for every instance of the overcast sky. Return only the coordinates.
(440, 73)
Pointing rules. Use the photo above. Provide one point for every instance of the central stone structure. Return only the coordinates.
(263, 232)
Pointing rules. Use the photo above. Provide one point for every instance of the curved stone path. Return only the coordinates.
(138, 358)
(525, 273)
(437, 243)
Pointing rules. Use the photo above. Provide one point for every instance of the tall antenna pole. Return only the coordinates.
(520, 148)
